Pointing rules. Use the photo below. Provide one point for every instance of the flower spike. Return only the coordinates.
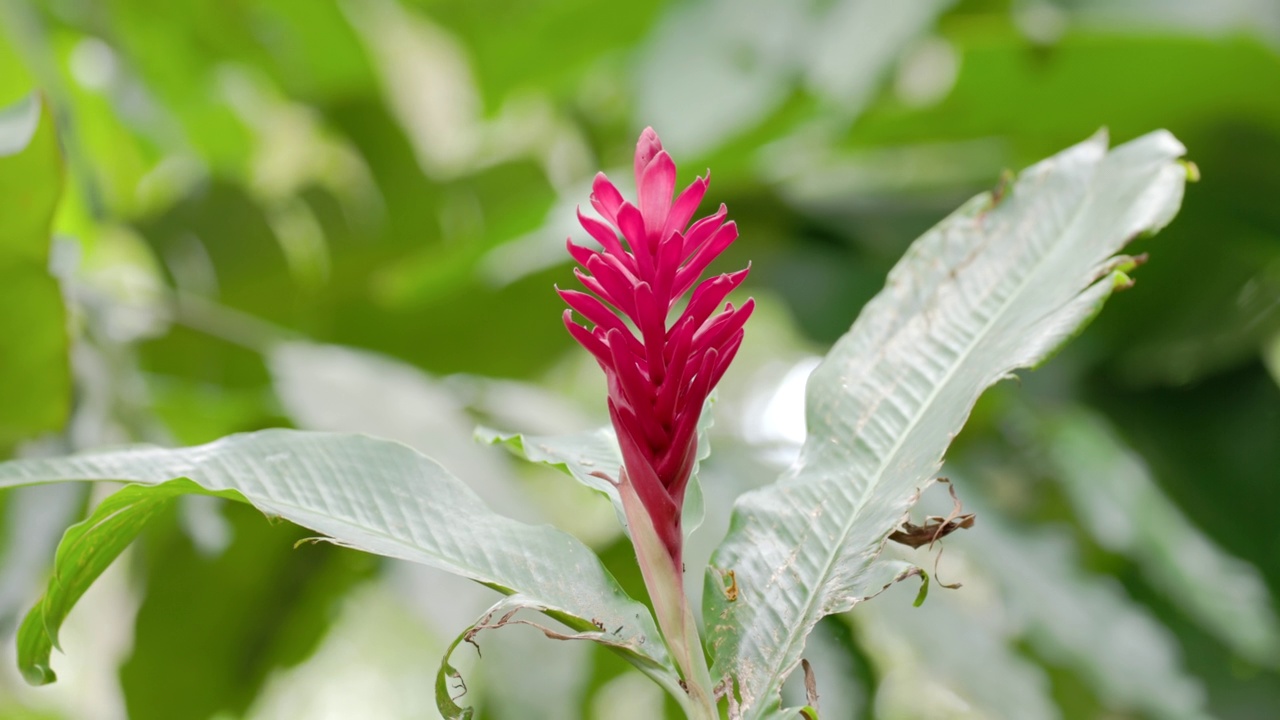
(660, 370)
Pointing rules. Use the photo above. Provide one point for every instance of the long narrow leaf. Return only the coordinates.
(1119, 503)
(369, 494)
(995, 287)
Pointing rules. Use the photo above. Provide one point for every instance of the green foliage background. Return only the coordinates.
(247, 184)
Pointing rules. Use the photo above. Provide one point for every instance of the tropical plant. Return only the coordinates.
(277, 221)
(995, 287)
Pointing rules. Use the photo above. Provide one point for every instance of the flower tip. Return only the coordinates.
(605, 197)
(736, 277)
(647, 148)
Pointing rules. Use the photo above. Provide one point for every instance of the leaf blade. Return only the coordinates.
(377, 496)
(995, 287)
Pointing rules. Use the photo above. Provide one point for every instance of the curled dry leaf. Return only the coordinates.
(935, 527)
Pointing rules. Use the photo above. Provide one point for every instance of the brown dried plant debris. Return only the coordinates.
(935, 527)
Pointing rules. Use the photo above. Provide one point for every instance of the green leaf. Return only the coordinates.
(997, 93)
(1125, 511)
(509, 56)
(995, 287)
(32, 520)
(364, 493)
(577, 455)
(86, 550)
(264, 606)
(34, 365)
(1075, 619)
(1056, 618)
(581, 454)
(956, 651)
(923, 593)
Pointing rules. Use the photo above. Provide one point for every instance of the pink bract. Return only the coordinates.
(659, 374)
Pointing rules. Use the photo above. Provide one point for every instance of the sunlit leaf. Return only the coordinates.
(510, 55)
(995, 287)
(1260, 17)
(961, 644)
(579, 455)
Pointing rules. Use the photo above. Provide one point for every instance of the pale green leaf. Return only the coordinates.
(1119, 503)
(582, 455)
(958, 650)
(1073, 618)
(366, 392)
(962, 645)
(361, 492)
(578, 455)
(995, 287)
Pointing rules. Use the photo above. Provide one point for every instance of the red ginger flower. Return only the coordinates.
(660, 378)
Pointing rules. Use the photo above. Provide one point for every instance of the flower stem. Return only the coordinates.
(665, 583)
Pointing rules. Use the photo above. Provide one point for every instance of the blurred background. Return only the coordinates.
(349, 215)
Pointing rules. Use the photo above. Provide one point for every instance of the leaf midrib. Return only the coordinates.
(254, 498)
(877, 476)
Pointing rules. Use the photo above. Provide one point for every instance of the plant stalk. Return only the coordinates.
(665, 583)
